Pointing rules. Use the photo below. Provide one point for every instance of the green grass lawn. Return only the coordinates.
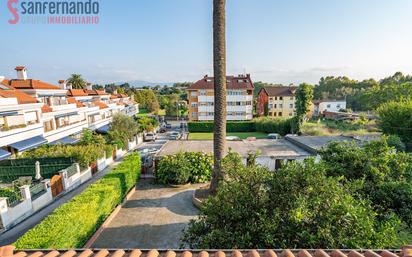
(145, 112)
(241, 135)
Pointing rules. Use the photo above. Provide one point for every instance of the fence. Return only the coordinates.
(36, 189)
(13, 169)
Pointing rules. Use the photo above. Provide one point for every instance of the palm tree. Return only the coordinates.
(77, 81)
(219, 69)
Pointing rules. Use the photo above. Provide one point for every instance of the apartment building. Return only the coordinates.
(277, 102)
(33, 112)
(239, 99)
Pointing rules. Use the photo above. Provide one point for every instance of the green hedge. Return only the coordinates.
(73, 223)
(264, 124)
(231, 126)
(184, 167)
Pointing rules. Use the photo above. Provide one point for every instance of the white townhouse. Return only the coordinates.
(33, 112)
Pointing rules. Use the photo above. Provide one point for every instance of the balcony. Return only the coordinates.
(20, 132)
(64, 107)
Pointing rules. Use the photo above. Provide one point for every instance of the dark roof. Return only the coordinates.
(233, 82)
(313, 144)
(7, 251)
(280, 91)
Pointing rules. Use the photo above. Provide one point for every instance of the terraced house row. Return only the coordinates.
(33, 112)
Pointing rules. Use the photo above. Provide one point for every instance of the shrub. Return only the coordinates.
(72, 224)
(273, 125)
(173, 169)
(231, 126)
(296, 207)
(185, 167)
(84, 154)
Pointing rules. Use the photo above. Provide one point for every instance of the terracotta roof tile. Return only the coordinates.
(233, 82)
(280, 91)
(31, 84)
(8, 251)
(20, 68)
(22, 98)
(76, 92)
(45, 109)
(72, 100)
(100, 104)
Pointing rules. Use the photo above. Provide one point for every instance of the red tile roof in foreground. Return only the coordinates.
(76, 92)
(233, 82)
(72, 100)
(8, 251)
(31, 84)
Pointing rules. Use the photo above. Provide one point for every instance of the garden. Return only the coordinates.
(258, 128)
(73, 223)
(354, 197)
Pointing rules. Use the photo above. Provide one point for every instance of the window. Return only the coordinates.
(275, 114)
(194, 114)
(280, 106)
(280, 114)
(193, 93)
(338, 105)
(202, 92)
(281, 98)
(276, 98)
(275, 106)
(48, 126)
(194, 105)
(328, 106)
(291, 106)
(270, 106)
(270, 113)
(290, 114)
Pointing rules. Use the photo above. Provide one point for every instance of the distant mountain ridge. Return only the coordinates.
(142, 83)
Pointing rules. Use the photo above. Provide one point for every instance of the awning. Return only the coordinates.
(11, 113)
(29, 143)
(4, 154)
(103, 130)
(65, 141)
(66, 114)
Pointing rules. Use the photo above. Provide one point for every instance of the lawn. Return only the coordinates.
(329, 127)
(145, 112)
(241, 135)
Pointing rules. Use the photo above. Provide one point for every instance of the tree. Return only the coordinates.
(304, 96)
(296, 207)
(91, 138)
(122, 129)
(77, 81)
(219, 69)
(147, 124)
(395, 118)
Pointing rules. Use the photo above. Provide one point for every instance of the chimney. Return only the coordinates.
(248, 75)
(21, 72)
(63, 84)
(89, 86)
(115, 92)
(1, 78)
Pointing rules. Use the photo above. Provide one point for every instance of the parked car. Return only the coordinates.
(175, 135)
(149, 136)
(233, 138)
(163, 130)
(273, 136)
(168, 126)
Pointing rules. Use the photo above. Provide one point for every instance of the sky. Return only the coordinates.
(276, 41)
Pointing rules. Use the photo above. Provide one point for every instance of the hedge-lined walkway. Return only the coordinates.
(14, 233)
(152, 218)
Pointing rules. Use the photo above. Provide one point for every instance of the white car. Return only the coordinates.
(232, 138)
(149, 136)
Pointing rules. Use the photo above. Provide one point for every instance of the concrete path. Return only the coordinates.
(14, 233)
(153, 217)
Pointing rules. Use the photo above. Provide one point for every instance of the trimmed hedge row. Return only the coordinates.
(73, 223)
(264, 124)
(231, 126)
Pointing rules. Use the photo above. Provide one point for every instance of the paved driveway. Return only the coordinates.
(153, 217)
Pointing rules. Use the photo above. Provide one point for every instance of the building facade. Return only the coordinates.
(239, 99)
(277, 102)
(33, 112)
(322, 106)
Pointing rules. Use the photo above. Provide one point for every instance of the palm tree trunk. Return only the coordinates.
(219, 69)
